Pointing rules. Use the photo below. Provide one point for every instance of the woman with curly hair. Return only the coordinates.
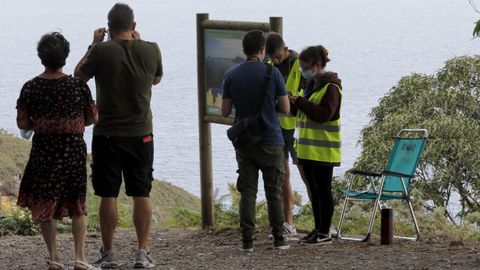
(57, 107)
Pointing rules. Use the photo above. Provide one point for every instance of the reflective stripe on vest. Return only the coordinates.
(318, 141)
(315, 125)
(287, 121)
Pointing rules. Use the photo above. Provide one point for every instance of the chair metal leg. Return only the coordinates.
(417, 230)
(377, 204)
(369, 233)
(345, 204)
(412, 213)
(415, 223)
(342, 216)
(372, 220)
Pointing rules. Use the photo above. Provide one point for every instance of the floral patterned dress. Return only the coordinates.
(54, 183)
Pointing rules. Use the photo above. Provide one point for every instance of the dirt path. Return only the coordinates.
(196, 249)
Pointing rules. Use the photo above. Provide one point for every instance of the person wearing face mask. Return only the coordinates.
(286, 61)
(317, 137)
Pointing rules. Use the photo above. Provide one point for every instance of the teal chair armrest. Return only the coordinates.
(366, 173)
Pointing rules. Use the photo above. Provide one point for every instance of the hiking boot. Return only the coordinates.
(106, 259)
(247, 246)
(289, 231)
(281, 244)
(319, 239)
(311, 234)
(143, 259)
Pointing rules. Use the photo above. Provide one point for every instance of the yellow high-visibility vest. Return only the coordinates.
(287, 121)
(318, 141)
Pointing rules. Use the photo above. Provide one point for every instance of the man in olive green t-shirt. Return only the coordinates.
(125, 68)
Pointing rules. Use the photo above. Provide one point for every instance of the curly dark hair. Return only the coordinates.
(315, 55)
(53, 50)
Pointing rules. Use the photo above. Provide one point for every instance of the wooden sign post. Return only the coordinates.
(219, 47)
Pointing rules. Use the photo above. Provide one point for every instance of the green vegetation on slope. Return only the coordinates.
(13, 158)
(448, 105)
(167, 200)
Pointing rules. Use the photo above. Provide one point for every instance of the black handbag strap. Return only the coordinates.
(266, 82)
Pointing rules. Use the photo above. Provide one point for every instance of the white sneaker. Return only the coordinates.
(106, 259)
(143, 259)
(289, 232)
(333, 233)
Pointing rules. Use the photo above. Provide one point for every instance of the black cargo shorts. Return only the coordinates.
(130, 158)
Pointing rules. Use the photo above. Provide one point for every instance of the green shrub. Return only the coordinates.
(185, 218)
(448, 105)
(18, 223)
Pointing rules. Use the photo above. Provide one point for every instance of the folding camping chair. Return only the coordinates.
(395, 180)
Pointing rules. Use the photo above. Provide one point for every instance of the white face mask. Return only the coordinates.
(308, 74)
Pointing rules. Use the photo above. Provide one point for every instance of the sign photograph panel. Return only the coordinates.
(223, 50)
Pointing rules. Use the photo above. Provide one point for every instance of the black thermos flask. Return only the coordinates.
(386, 227)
